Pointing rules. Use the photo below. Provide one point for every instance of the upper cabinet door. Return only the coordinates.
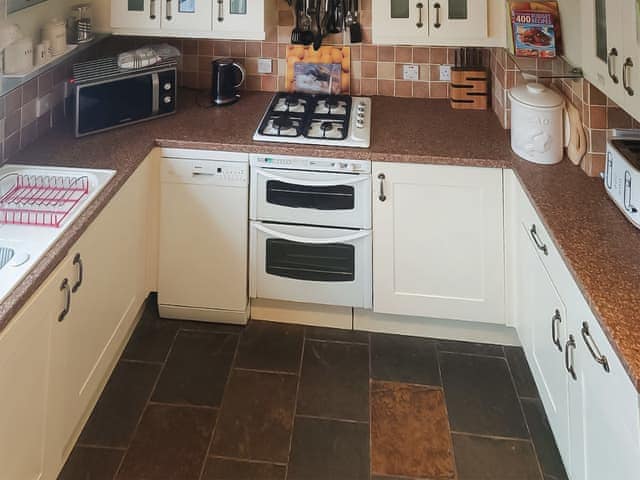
(631, 56)
(138, 15)
(191, 16)
(400, 21)
(455, 21)
(238, 19)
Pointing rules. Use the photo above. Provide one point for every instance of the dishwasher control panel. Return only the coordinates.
(204, 172)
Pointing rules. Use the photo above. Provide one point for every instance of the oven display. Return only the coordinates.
(337, 197)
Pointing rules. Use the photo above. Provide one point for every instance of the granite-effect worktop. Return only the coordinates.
(601, 249)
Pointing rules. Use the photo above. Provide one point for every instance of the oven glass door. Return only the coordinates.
(311, 198)
(311, 264)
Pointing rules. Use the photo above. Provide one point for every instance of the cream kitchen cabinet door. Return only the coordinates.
(186, 16)
(438, 242)
(631, 56)
(239, 19)
(24, 356)
(107, 290)
(452, 21)
(139, 15)
(400, 22)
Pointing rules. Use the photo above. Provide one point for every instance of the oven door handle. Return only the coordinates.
(315, 241)
(312, 183)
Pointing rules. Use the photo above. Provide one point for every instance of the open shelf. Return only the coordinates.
(546, 68)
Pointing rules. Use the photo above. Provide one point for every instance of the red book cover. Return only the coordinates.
(536, 29)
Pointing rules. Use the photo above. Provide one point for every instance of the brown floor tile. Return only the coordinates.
(410, 431)
(397, 358)
(329, 450)
(170, 443)
(197, 369)
(86, 463)
(521, 373)
(454, 346)
(337, 335)
(335, 381)
(225, 469)
(116, 415)
(271, 346)
(152, 338)
(256, 416)
(483, 458)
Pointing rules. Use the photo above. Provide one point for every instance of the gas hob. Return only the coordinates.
(331, 120)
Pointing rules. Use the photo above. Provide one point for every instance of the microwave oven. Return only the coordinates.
(108, 97)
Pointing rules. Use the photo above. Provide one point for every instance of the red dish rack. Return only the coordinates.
(43, 200)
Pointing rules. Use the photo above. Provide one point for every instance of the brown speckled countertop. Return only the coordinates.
(596, 241)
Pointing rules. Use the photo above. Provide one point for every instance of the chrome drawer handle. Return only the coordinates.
(78, 262)
(67, 306)
(555, 334)
(610, 68)
(593, 348)
(537, 241)
(437, 23)
(569, 347)
(382, 197)
(419, 6)
(626, 74)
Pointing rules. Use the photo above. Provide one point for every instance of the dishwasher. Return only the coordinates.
(202, 268)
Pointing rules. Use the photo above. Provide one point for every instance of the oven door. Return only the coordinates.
(311, 198)
(310, 264)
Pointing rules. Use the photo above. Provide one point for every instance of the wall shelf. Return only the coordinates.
(545, 68)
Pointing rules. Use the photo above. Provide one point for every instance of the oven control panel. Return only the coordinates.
(311, 164)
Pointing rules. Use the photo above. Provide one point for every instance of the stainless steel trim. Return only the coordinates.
(155, 93)
(610, 69)
(382, 197)
(555, 335)
(537, 241)
(64, 287)
(569, 347)
(593, 348)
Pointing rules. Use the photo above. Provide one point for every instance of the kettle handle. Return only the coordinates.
(243, 74)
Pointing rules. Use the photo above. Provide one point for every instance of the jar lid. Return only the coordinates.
(536, 95)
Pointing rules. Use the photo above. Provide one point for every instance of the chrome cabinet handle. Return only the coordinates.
(419, 6)
(382, 197)
(221, 10)
(608, 171)
(626, 200)
(569, 347)
(610, 68)
(555, 334)
(626, 73)
(537, 241)
(169, 15)
(437, 7)
(77, 261)
(67, 306)
(593, 348)
(152, 9)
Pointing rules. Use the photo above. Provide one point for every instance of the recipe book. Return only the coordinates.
(535, 29)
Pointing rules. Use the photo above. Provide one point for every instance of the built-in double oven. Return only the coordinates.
(310, 230)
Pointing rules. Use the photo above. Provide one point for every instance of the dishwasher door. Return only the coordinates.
(203, 240)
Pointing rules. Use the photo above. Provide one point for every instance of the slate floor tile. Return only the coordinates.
(115, 416)
(337, 335)
(256, 416)
(197, 368)
(329, 450)
(88, 463)
(271, 346)
(480, 396)
(170, 444)
(483, 458)
(410, 432)
(543, 441)
(521, 373)
(335, 381)
(151, 339)
(487, 349)
(226, 469)
(398, 358)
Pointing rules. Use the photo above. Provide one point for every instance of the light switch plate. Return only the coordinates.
(264, 65)
(445, 73)
(410, 72)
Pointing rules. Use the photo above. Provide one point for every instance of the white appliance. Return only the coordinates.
(310, 230)
(333, 120)
(537, 123)
(622, 174)
(202, 271)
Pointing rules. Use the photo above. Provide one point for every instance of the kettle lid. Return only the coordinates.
(224, 61)
(536, 95)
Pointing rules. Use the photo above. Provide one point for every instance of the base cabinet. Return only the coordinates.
(438, 242)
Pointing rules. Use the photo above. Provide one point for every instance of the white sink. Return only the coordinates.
(21, 246)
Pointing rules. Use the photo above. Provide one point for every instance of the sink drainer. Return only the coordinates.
(6, 254)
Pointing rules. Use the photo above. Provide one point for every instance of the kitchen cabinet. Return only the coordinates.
(24, 353)
(104, 288)
(436, 22)
(438, 242)
(225, 19)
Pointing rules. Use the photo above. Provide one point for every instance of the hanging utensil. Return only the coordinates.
(297, 33)
(355, 29)
(348, 18)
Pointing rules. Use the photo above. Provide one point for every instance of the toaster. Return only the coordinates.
(622, 174)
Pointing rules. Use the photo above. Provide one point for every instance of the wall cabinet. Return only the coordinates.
(436, 22)
(438, 242)
(228, 19)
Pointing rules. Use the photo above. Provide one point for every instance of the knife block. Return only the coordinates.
(469, 89)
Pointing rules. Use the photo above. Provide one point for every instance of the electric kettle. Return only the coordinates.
(226, 78)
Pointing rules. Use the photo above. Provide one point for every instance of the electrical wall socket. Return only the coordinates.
(264, 65)
(410, 72)
(445, 73)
